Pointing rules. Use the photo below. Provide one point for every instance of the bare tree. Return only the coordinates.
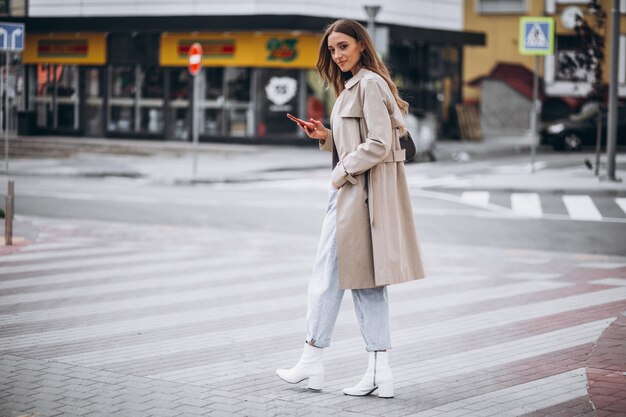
(588, 59)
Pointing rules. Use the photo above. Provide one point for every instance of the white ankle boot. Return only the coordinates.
(377, 377)
(310, 366)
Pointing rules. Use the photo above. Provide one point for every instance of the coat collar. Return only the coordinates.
(356, 78)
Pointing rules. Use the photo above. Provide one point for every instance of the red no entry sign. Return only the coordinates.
(195, 58)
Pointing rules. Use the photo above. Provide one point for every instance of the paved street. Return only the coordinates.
(152, 295)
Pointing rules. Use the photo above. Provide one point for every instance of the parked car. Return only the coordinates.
(580, 130)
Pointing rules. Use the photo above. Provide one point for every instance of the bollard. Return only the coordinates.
(8, 216)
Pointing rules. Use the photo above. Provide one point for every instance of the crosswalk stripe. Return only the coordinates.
(244, 308)
(105, 307)
(466, 324)
(458, 326)
(581, 207)
(502, 353)
(478, 198)
(164, 281)
(621, 202)
(65, 253)
(526, 204)
(7, 271)
(520, 399)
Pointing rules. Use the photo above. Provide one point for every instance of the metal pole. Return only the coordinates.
(8, 216)
(533, 115)
(5, 87)
(371, 11)
(611, 140)
(194, 119)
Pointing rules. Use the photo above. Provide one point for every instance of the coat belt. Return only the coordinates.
(398, 155)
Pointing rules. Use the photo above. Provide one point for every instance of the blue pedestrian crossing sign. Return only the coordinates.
(11, 36)
(536, 36)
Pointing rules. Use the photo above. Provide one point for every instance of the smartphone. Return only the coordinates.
(302, 123)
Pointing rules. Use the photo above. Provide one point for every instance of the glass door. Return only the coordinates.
(57, 99)
(136, 100)
(94, 102)
(239, 114)
(178, 115)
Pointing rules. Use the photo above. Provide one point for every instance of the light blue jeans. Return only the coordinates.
(324, 295)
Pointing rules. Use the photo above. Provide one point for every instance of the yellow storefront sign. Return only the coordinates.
(65, 48)
(279, 50)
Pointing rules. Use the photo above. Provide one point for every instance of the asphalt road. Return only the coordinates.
(295, 204)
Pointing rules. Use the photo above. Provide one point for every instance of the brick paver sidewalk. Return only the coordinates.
(103, 319)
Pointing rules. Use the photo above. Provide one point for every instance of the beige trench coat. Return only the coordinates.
(376, 239)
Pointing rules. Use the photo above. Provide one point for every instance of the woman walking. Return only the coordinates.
(368, 236)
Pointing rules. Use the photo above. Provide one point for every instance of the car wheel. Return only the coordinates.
(572, 142)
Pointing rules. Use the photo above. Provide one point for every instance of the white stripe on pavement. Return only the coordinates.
(610, 281)
(500, 354)
(80, 251)
(162, 281)
(287, 326)
(621, 202)
(443, 329)
(526, 204)
(106, 307)
(150, 257)
(581, 207)
(519, 399)
(476, 198)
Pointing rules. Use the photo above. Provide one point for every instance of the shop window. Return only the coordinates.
(152, 85)
(237, 108)
(501, 6)
(212, 125)
(4, 6)
(277, 94)
(94, 102)
(136, 100)
(57, 100)
(238, 84)
(214, 81)
(123, 81)
(178, 112)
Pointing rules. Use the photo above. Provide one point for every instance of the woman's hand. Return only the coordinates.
(313, 128)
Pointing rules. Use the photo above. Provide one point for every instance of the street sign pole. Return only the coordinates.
(195, 67)
(536, 37)
(611, 140)
(7, 113)
(534, 116)
(11, 40)
(194, 121)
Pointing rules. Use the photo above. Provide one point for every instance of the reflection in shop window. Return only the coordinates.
(93, 105)
(152, 86)
(238, 84)
(123, 81)
(178, 113)
(238, 122)
(212, 122)
(214, 79)
(151, 100)
(319, 99)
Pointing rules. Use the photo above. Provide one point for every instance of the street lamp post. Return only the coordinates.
(611, 140)
(371, 11)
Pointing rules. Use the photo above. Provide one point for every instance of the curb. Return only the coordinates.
(606, 370)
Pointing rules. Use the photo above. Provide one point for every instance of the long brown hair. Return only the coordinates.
(333, 76)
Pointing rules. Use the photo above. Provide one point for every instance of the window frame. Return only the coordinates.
(522, 10)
